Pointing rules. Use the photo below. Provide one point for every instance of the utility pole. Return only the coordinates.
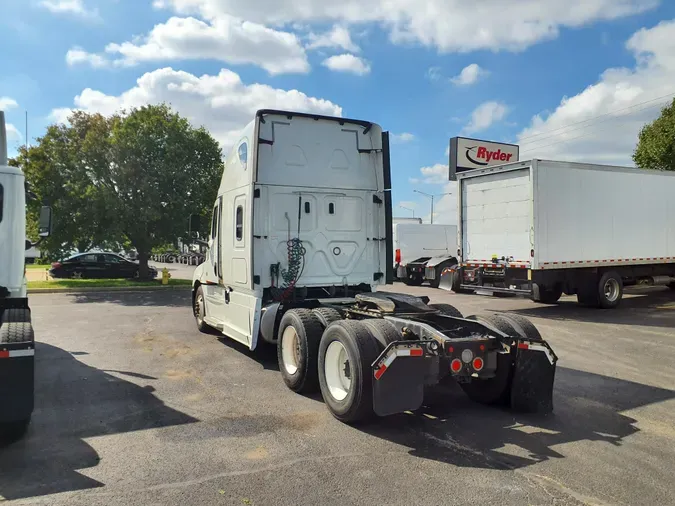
(432, 200)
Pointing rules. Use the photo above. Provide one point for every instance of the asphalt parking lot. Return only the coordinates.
(135, 406)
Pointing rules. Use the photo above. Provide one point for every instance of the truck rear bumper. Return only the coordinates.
(498, 278)
(17, 370)
(497, 289)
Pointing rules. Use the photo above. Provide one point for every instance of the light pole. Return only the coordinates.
(432, 200)
(408, 209)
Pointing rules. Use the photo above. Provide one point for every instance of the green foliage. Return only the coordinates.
(105, 283)
(656, 144)
(126, 181)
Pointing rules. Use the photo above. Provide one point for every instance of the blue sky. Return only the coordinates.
(567, 80)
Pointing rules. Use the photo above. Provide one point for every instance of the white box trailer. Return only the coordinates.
(301, 239)
(544, 228)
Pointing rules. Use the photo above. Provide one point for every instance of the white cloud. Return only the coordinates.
(13, 133)
(601, 123)
(485, 115)
(7, 103)
(338, 37)
(77, 56)
(435, 174)
(347, 63)
(222, 103)
(469, 75)
(225, 39)
(449, 25)
(434, 73)
(69, 7)
(402, 138)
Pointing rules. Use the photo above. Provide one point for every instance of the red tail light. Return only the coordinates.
(478, 363)
(398, 256)
(456, 365)
(56, 265)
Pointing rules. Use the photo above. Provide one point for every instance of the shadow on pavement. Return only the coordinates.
(265, 354)
(74, 402)
(452, 429)
(652, 307)
(178, 297)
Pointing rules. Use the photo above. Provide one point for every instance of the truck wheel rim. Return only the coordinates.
(337, 370)
(611, 289)
(290, 350)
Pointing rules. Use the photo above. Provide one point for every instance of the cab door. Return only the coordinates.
(214, 292)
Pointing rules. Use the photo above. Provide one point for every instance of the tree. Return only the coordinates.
(159, 170)
(656, 144)
(58, 171)
(134, 177)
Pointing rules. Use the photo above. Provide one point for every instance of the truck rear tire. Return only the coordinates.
(524, 327)
(496, 390)
(447, 310)
(603, 293)
(298, 348)
(384, 331)
(17, 314)
(16, 332)
(327, 315)
(457, 282)
(348, 349)
(546, 295)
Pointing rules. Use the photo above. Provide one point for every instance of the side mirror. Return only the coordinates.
(45, 223)
(194, 225)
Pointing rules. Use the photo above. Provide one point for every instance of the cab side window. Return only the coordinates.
(214, 222)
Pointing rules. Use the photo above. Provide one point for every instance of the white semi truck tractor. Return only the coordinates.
(17, 345)
(300, 241)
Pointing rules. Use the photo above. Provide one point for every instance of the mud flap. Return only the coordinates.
(16, 381)
(447, 276)
(401, 387)
(533, 376)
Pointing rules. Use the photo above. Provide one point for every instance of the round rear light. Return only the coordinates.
(456, 365)
(467, 355)
(478, 363)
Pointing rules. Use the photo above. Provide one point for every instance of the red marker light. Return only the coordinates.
(398, 256)
(482, 347)
(478, 363)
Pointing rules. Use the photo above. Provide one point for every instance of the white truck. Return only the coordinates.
(423, 251)
(543, 228)
(17, 345)
(299, 242)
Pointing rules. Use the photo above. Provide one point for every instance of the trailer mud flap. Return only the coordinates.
(398, 382)
(533, 376)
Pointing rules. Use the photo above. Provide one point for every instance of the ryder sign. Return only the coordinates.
(468, 154)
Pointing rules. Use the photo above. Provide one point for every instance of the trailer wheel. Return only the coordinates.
(16, 332)
(494, 390)
(385, 332)
(18, 314)
(327, 315)
(347, 350)
(457, 282)
(546, 295)
(610, 290)
(447, 310)
(297, 349)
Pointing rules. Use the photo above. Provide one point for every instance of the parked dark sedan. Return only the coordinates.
(96, 265)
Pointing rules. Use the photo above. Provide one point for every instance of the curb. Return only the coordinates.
(96, 289)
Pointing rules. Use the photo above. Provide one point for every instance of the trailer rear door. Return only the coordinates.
(496, 215)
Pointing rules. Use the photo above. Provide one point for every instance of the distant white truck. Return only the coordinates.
(300, 241)
(543, 228)
(17, 343)
(423, 251)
